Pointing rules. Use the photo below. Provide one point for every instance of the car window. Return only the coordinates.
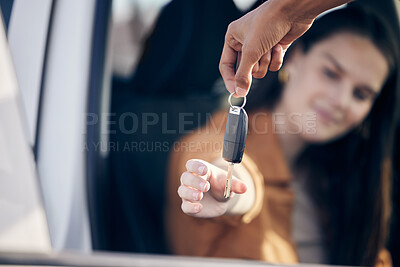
(6, 7)
(23, 225)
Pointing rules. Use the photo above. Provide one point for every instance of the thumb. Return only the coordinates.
(238, 187)
(243, 76)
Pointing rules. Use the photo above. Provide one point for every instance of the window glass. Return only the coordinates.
(6, 7)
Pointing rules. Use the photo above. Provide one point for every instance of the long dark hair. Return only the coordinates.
(350, 177)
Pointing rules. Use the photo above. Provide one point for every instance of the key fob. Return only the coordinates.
(235, 135)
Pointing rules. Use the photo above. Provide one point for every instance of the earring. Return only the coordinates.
(283, 76)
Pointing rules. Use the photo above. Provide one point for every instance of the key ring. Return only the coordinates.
(230, 103)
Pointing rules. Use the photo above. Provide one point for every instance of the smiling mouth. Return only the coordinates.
(326, 117)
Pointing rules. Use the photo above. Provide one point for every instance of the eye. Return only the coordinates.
(330, 74)
(361, 95)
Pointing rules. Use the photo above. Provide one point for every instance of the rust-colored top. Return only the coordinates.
(264, 232)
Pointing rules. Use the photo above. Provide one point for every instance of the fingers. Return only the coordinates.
(277, 58)
(197, 166)
(189, 194)
(190, 207)
(243, 74)
(199, 179)
(194, 181)
(263, 65)
(227, 67)
(256, 68)
(193, 186)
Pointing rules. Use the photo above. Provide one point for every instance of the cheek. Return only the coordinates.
(356, 115)
(321, 133)
(300, 92)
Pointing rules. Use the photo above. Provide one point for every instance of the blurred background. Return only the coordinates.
(187, 76)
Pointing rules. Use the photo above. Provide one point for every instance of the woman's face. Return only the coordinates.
(332, 87)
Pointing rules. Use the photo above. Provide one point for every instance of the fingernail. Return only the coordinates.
(201, 169)
(195, 196)
(241, 92)
(196, 208)
(207, 187)
(204, 186)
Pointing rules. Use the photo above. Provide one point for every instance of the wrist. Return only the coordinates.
(305, 10)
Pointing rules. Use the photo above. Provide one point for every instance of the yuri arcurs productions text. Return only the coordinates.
(152, 146)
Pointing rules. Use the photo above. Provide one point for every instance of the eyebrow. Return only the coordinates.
(334, 61)
(340, 69)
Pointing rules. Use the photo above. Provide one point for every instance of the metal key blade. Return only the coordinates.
(227, 192)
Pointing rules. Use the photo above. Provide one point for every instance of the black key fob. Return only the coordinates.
(235, 135)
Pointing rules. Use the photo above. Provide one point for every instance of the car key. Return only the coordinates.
(234, 139)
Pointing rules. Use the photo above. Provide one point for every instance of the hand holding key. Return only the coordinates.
(202, 189)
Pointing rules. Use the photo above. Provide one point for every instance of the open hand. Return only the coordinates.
(202, 189)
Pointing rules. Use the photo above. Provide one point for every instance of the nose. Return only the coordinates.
(341, 97)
